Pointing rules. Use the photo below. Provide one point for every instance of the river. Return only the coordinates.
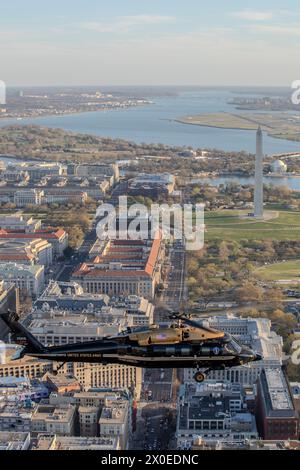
(292, 182)
(155, 123)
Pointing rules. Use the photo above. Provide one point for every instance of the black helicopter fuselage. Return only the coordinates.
(105, 351)
(175, 347)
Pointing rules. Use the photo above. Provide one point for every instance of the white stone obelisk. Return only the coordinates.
(258, 188)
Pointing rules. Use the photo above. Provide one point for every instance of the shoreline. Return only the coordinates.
(234, 175)
(214, 126)
(73, 113)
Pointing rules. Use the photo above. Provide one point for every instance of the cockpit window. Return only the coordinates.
(139, 329)
(235, 346)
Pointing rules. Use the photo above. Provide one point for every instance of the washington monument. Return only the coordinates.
(258, 188)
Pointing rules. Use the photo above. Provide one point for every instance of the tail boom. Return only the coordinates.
(21, 335)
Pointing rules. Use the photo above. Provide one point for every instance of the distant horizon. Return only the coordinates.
(287, 87)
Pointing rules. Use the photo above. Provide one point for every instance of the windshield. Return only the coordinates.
(235, 346)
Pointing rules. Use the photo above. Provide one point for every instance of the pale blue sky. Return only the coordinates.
(149, 42)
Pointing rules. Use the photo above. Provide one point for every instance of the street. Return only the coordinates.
(80, 255)
(155, 428)
(157, 384)
(175, 293)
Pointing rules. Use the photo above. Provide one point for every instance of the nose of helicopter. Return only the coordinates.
(257, 356)
(251, 356)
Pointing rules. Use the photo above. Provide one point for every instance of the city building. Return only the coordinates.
(151, 185)
(61, 383)
(100, 397)
(14, 441)
(29, 279)
(258, 183)
(58, 420)
(248, 444)
(15, 417)
(278, 167)
(39, 170)
(115, 420)
(113, 376)
(104, 412)
(88, 420)
(25, 367)
(93, 187)
(69, 296)
(105, 170)
(137, 310)
(14, 175)
(55, 191)
(22, 390)
(254, 332)
(54, 442)
(277, 418)
(26, 251)
(63, 196)
(58, 328)
(213, 411)
(19, 223)
(295, 391)
(25, 197)
(58, 238)
(125, 267)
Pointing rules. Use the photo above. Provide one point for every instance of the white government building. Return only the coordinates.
(28, 278)
(254, 332)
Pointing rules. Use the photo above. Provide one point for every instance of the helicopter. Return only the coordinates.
(184, 343)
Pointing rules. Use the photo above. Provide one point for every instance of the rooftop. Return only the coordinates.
(54, 413)
(112, 415)
(211, 400)
(277, 394)
(10, 269)
(156, 178)
(69, 296)
(52, 442)
(117, 260)
(61, 323)
(14, 440)
(42, 234)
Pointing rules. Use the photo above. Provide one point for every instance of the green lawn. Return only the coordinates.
(227, 225)
(289, 270)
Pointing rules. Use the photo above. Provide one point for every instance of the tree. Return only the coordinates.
(76, 236)
(192, 265)
(249, 292)
(223, 252)
(293, 372)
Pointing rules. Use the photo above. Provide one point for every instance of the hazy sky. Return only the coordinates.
(150, 42)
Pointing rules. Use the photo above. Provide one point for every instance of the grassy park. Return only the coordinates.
(280, 125)
(285, 270)
(229, 225)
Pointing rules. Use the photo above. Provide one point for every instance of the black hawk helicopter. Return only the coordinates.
(182, 344)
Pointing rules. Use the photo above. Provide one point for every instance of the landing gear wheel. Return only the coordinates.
(199, 376)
